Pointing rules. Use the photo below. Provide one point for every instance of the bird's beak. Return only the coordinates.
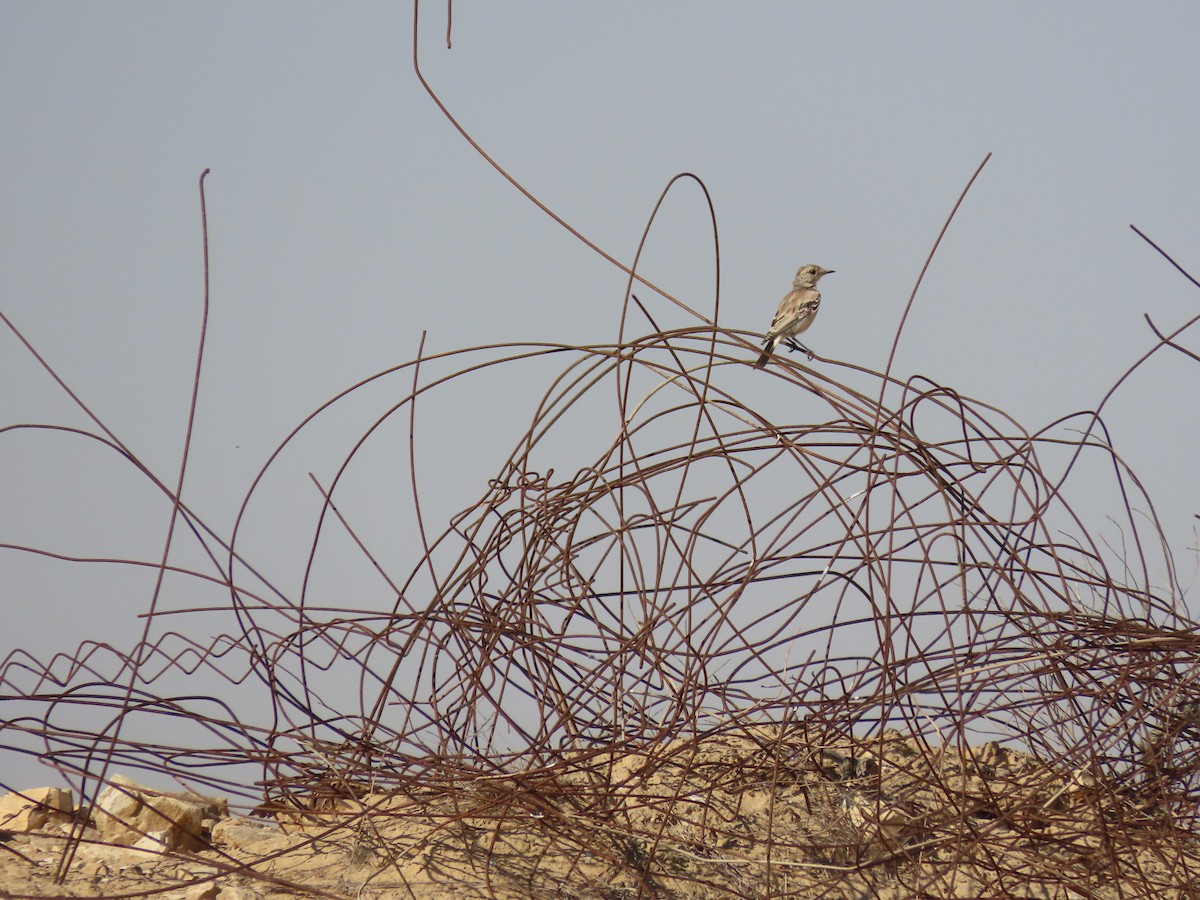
(828, 271)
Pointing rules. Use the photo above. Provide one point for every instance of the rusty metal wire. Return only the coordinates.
(706, 631)
(872, 609)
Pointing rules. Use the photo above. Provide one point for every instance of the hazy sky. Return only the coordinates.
(347, 216)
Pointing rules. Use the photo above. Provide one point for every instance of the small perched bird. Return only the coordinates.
(795, 313)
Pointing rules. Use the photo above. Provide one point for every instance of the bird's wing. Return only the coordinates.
(784, 314)
(796, 306)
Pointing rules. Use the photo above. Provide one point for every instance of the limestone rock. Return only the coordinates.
(32, 809)
(128, 813)
(239, 834)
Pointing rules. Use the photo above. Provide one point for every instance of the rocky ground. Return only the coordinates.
(752, 815)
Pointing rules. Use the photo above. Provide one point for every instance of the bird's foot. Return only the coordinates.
(794, 345)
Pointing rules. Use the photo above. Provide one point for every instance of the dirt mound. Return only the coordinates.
(753, 814)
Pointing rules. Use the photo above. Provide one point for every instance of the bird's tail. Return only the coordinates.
(768, 349)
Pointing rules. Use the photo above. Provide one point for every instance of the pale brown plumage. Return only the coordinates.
(796, 312)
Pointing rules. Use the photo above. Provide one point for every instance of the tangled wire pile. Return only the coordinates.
(727, 656)
(706, 632)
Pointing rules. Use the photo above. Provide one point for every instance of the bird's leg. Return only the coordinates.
(793, 345)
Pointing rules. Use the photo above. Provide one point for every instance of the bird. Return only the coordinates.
(795, 314)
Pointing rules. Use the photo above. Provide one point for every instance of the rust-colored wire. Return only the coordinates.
(762, 634)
